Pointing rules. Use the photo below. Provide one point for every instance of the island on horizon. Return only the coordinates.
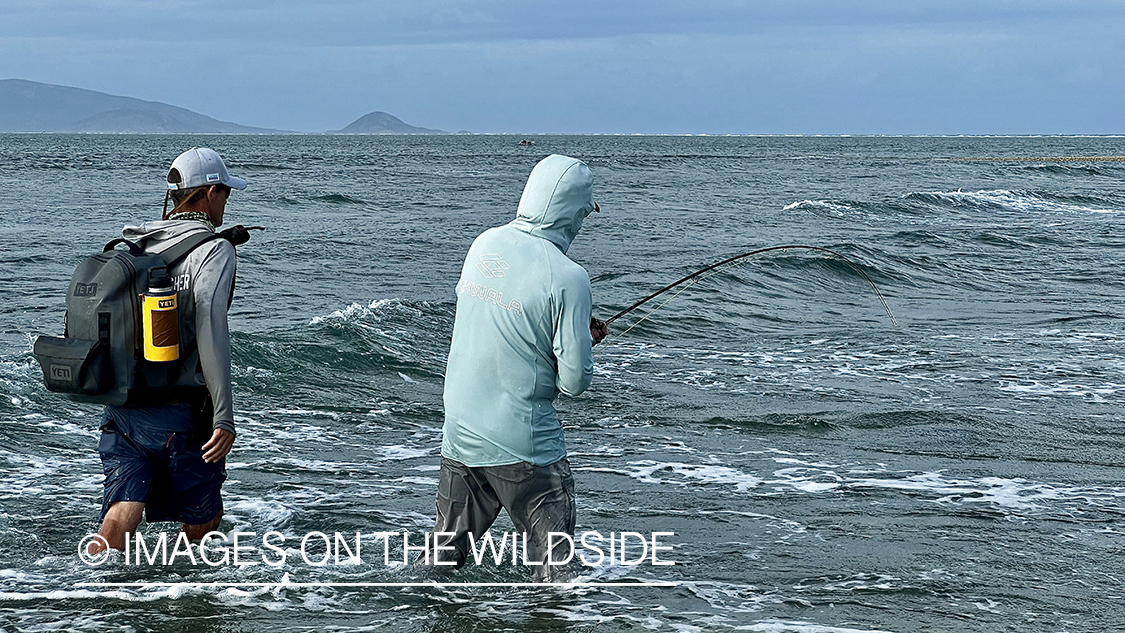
(30, 106)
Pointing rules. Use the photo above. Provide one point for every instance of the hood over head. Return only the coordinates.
(558, 196)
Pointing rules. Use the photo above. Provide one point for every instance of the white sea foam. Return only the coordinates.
(260, 512)
(778, 451)
(396, 305)
(350, 313)
(301, 412)
(408, 519)
(786, 626)
(1020, 201)
(647, 471)
(789, 460)
(399, 452)
(600, 452)
(66, 427)
(836, 369)
(820, 478)
(1042, 388)
(256, 372)
(87, 594)
(789, 525)
(834, 207)
(32, 474)
(1009, 493)
(356, 312)
(273, 437)
(317, 465)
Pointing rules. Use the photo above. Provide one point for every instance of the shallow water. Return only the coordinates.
(822, 469)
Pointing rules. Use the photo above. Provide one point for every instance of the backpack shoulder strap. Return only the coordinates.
(185, 246)
(173, 255)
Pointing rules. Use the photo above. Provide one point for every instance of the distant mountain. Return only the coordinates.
(28, 106)
(383, 123)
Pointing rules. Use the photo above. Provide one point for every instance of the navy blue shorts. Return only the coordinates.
(149, 455)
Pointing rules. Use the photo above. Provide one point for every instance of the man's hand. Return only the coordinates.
(239, 234)
(235, 235)
(218, 446)
(598, 330)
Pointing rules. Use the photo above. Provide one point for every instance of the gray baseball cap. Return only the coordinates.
(201, 167)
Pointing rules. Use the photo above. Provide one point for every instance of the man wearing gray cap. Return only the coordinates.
(163, 451)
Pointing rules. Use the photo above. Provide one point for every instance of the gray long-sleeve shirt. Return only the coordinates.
(204, 281)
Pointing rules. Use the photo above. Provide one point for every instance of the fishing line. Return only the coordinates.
(670, 298)
(730, 260)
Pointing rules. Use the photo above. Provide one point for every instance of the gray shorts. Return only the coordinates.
(539, 500)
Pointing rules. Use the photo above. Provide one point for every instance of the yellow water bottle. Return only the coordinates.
(161, 318)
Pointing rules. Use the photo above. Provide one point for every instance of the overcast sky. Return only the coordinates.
(595, 66)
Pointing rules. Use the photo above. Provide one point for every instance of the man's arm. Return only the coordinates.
(212, 293)
(573, 339)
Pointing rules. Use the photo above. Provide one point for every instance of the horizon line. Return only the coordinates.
(524, 134)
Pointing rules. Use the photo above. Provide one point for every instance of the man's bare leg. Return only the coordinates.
(123, 518)
(197, 532)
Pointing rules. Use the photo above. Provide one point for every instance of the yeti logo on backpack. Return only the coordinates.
(85, 290)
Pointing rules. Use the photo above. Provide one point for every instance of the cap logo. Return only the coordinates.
(213, 178)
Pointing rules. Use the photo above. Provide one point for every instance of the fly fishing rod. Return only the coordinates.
(743, 256)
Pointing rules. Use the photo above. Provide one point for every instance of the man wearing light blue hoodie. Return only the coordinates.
(522, 335)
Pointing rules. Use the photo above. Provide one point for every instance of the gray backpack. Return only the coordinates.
(99, 357)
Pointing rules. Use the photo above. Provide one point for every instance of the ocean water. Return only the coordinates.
(822, 469)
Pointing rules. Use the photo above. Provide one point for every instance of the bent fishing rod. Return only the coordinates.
(743, 256)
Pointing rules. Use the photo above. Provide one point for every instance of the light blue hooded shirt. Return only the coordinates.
(522, 332)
